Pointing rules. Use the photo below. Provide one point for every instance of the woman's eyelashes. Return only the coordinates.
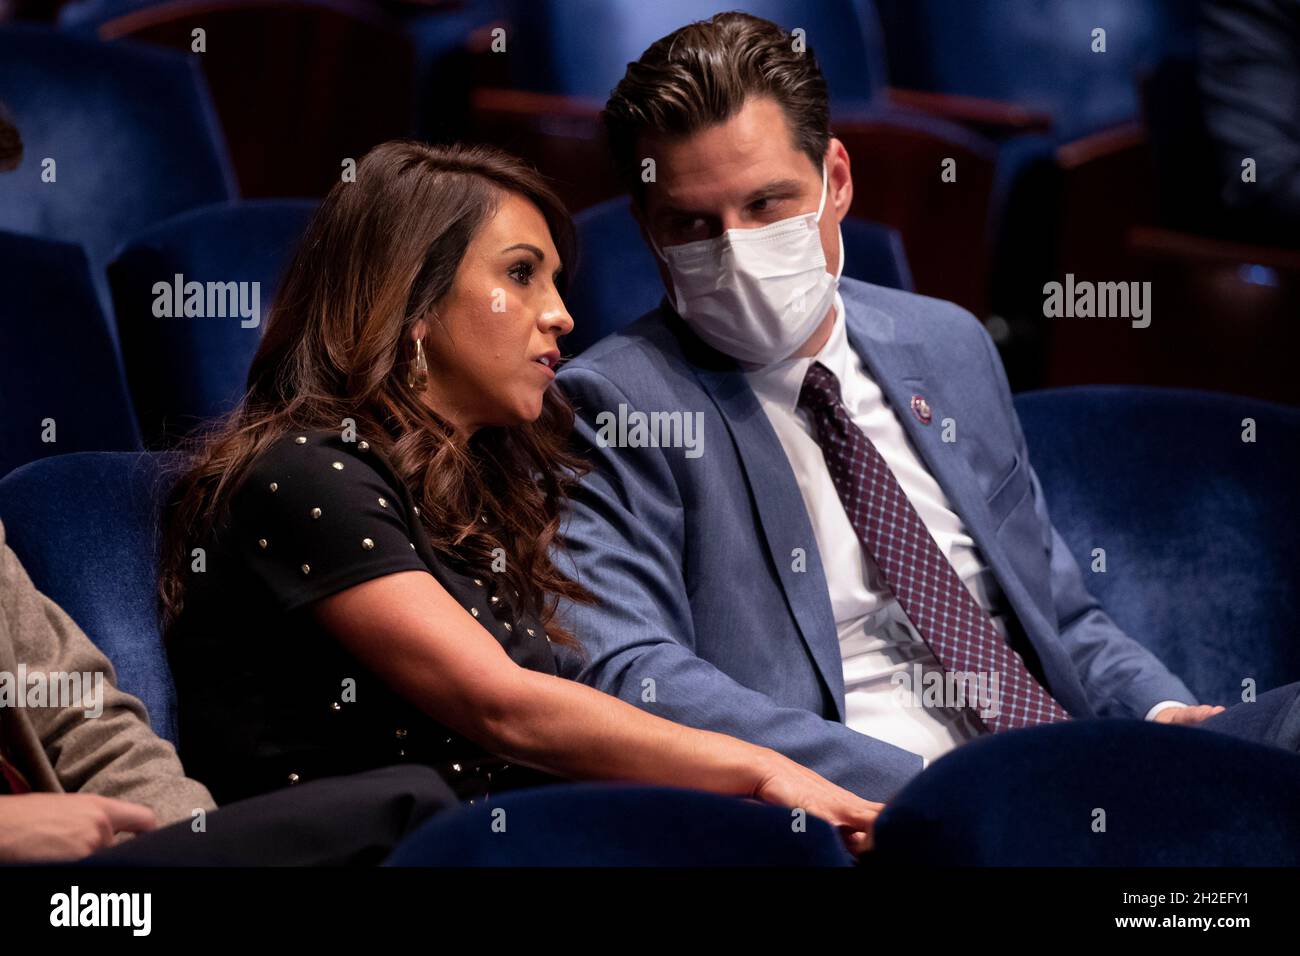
(521, 272)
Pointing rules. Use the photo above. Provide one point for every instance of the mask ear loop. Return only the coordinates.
(839, 230)
(825, 183)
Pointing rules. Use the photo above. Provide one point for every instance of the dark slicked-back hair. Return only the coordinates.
(702, 74)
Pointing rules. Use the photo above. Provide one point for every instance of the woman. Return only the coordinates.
(357, 567)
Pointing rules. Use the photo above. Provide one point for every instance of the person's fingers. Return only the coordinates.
(129, 817)
(861, 818)
(857, 842)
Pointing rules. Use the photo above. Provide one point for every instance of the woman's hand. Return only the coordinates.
(788, 784)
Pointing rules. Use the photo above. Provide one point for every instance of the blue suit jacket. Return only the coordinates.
(701, 616)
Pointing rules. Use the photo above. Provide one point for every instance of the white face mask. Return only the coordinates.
(755, 294)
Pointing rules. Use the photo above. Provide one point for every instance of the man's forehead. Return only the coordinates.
(722, 163)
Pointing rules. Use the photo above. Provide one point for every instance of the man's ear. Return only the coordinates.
(839, 178)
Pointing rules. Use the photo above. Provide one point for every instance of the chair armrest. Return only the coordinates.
(1203, 251)
(1110, 143)
(994, 118)
(527, 106)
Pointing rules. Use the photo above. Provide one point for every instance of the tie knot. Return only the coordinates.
(821, 389)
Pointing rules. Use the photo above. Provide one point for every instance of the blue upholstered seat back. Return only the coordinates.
(183, 370)
(1200, 529)
(558, 52)
(85, 527)
(130, 129)
(61, 364)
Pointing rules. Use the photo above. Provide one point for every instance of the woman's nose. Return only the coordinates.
(557, 319)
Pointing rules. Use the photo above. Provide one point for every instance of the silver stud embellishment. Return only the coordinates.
(494, 599)
(306, 569)
(531, 632)
(363, 445)
(383, 502)
(336, 706)
(301, 439)
(293, 778)
(275, 486)
(337, 466)
(315, 512)
(474, 611)
(262, 543)
(478, 581)
(508, 627)
(416, 509)
(368, 543)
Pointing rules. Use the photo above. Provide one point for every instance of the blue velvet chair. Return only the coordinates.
(1036, 53)
(1200, 529)
(60, 360)
(617, 280)
(131, 129)
(1202, 549)
(85, 527)
(582, 47)
(183, 371)
(603, 824)
(1171, 796)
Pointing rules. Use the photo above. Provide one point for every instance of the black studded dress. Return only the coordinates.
(268, 699)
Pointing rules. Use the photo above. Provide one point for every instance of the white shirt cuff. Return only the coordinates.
(1163, 705)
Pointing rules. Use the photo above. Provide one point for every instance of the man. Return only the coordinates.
(862, 516)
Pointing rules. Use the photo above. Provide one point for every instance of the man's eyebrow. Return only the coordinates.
(527, 247)
(778, 187)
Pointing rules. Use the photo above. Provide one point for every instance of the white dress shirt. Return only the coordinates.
(877, 641)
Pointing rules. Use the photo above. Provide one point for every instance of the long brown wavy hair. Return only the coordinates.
(379, 254)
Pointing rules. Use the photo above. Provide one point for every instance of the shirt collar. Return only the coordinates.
(781, 382)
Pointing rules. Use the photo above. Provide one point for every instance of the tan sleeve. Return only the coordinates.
(114, 754)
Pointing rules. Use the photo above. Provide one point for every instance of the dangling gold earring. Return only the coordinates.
(417, 375)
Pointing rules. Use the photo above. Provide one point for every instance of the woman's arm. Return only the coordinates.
(408, 630)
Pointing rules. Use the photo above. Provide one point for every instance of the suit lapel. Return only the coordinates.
(783, 517)
(899, 369)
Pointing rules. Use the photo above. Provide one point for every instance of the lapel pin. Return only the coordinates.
(922, 409)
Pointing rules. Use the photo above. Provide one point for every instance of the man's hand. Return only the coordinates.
(1186, 715)
(65, 826)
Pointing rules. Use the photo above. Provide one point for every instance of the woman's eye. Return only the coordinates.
(521, 272)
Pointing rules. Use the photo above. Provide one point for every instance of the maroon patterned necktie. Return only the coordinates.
(959, 632)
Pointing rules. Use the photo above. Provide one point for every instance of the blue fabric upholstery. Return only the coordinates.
(1200, 529)
(183, 370)
(554, 50)
(85, 527)
(1035, 53)
(130, 127)
(60, 361)
(619, 825)
(1172, 796)
(617, 279)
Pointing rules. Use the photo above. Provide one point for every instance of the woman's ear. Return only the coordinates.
(419, 330)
